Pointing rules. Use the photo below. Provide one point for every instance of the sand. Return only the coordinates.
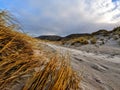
(100, 71)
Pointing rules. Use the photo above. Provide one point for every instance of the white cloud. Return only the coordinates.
(100, 11)
(70, 16)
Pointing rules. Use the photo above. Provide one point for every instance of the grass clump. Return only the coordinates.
(22, 69)
(81, 40)
(56, 75)
(93, 40)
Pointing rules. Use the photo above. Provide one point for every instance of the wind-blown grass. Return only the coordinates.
(18, 64)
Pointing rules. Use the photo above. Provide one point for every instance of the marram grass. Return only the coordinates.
(21, 69)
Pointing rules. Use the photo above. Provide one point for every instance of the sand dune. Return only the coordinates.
(100, 71)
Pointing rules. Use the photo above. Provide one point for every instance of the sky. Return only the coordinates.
(63, 17)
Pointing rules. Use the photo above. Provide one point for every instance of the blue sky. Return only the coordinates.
(63, 17)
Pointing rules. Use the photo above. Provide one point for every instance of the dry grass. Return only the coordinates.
(81, 40)
(93, 40)
(21, 69)
(56, 75)
(16, 56)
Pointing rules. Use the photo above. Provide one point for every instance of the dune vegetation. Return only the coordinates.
(21, 68)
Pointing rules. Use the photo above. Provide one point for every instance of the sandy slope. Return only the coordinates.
(101, 72)
(103, 49)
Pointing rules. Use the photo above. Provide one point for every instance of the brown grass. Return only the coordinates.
(21, 69)
(93, 40)
(81, 40)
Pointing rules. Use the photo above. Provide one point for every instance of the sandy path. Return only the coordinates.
(101, 72)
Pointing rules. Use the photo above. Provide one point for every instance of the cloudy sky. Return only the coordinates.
(63, 17)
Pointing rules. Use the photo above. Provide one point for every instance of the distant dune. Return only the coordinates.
(100, 37)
